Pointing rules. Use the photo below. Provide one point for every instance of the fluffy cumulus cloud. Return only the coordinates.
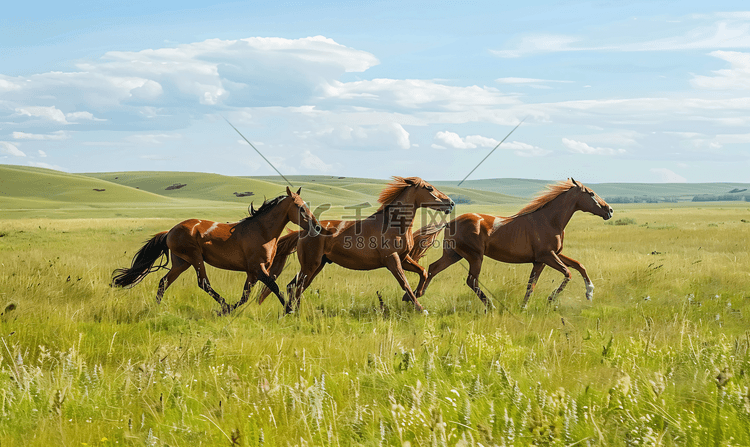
(579, 147)
(737, 77)
(310, 161)
(260, 71)
(377, 137)
(10, 149)
(58, 135)
(667, 176)
(453, 140)
(51, 113)
(417, 93)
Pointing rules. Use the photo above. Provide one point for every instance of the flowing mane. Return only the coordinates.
(267, 205)
(395, 188)
(545, 197)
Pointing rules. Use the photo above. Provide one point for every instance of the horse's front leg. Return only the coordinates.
(413, 266)
(393, 263)
(570, 262)
(270, 282)
(554, 261)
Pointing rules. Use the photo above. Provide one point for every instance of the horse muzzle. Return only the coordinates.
(610, 212)
(450, 208)
(314, 230)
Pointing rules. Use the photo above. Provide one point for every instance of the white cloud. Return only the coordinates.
(616, 137)
(454, 141)
(525, 149)
(667, 176)
(310, 161)
(6, 85)
(401, 135)
(451, 139)
(416, 93)
(42, 153)
(10, 149)
(539, 43)
(51, 113)
(579, 147)
(729, 31)
(58, 135)
(77, 116)
(735, 78)
(357, 137)
(255, 70)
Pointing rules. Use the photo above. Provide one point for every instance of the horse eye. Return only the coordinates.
(429, 188)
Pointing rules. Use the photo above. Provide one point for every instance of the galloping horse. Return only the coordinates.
(383, 239)
(533, 235)
(248, 246)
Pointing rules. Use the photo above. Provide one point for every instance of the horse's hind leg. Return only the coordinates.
(179, 265)
(449, 258)
(475, 267)
(302, 282)
(535, 272)
(200, 269)
(393, 263)
(413, 266)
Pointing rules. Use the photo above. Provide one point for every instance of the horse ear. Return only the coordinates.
(288, 191)
(575, 182)
(299, 190)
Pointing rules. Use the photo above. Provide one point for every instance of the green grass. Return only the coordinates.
(83, 363)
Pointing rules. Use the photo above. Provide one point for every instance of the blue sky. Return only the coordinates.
(611, 91)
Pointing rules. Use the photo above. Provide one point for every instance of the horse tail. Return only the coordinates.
(285, 247)
(423, 239)
(143, 262)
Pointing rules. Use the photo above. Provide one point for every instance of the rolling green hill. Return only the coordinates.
(528, 188)
(37, 192)
(46, 188)
(337, 191)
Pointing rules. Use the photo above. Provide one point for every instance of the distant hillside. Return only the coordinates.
(29, 192)
(22, 186)
(337, 191)
(527, 188)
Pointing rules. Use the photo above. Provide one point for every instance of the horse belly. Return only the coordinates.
(513, 248)
(361, 260)
(224, 256)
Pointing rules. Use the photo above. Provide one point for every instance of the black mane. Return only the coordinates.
(267, 205)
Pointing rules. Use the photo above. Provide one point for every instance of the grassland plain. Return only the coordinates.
(660, 357)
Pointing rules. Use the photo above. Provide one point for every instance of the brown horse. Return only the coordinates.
(533, 235)
(383, 239)
(247, 246)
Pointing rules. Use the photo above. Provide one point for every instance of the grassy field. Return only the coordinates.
(84, 364)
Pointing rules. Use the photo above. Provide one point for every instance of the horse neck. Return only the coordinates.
(272, 222)
(401, 212)
(560, 210)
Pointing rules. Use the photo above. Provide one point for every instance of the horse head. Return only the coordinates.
(301, 215)
(590, 202)
(428, 196)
